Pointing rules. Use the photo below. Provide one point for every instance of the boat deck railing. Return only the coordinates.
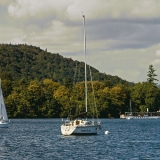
(142, 113)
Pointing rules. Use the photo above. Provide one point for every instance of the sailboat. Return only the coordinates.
(76, 125)
(4, 123)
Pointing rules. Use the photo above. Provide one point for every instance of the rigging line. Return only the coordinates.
(79, 52)
(75, 74)
(93, 92)
(95, 105)
(80, 43)
(76, 69)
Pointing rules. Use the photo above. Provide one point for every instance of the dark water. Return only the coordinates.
(41, 139)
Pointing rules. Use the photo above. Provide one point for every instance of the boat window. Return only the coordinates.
(77, 122)
(88, 123)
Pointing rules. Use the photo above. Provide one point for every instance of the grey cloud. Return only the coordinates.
(126, 33)
(41, 23)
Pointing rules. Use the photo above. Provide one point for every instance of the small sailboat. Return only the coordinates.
(76, 125)
(4, 122)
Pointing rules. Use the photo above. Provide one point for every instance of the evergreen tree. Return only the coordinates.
(151, 75)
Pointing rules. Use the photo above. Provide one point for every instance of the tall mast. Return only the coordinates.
(130, 106)
(85, 60)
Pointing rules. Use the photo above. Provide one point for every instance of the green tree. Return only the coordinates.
(16, 102)
(36, 98)
(151, 97)
(151, 75)
(103, 102)
(62, 96)
(118, 98)
(51, 107)
(145, 95)
(137, 96)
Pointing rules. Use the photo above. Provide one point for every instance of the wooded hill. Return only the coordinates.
(30, 62)
(38, 84)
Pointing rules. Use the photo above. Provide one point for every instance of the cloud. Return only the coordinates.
(114, 8)
(32, 8)
(156, 62)
(128, 75)
(19, 40)
(158, 53)
(112, 22)
(92, 8)
(12, 35)
(5, 2)
(57, 38)
(24, 8)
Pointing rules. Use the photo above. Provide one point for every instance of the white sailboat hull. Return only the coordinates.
(4, 125)
(79, 130)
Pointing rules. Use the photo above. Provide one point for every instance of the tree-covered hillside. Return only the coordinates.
(39, 84)
(30, 62)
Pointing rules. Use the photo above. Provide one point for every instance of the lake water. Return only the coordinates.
(41, 139)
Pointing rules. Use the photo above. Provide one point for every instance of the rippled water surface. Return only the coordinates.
(41, 139)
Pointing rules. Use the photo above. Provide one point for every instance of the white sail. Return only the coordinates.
(3, 107)
(3, 112)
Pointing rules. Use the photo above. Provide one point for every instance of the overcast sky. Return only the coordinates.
(123, 36)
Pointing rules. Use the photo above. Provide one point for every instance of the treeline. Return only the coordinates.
(33, 99)
(39, 84)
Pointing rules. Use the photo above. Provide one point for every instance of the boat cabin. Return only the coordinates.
(77, 122)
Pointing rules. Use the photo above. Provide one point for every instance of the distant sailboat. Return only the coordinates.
(76, 125)
(4, 123)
